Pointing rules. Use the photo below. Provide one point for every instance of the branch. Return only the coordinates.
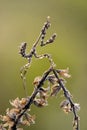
(30, 99)
(68, 105)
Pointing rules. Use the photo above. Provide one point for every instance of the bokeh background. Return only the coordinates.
(21, 21)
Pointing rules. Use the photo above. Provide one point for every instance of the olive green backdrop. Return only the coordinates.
(22, 20)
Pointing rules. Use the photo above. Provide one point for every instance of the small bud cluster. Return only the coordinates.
(45, 86)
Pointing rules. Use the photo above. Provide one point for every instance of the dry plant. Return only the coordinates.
(19, 114)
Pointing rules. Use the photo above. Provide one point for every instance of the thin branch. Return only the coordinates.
(31, 99)
(69, 98)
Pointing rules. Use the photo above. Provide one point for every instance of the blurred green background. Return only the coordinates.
(22, 20)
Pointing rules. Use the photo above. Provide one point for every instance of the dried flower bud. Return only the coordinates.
(52, 79)
(29, 118)
(8, 119)
(24, 101)
(64, 73)
(65, 105)
(43, 93)
(37, 80)
(17, 103)
(4, 118)
(55, 89)
(40, 102)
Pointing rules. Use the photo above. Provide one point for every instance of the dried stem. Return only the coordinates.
(69, 98)
(31, 99)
